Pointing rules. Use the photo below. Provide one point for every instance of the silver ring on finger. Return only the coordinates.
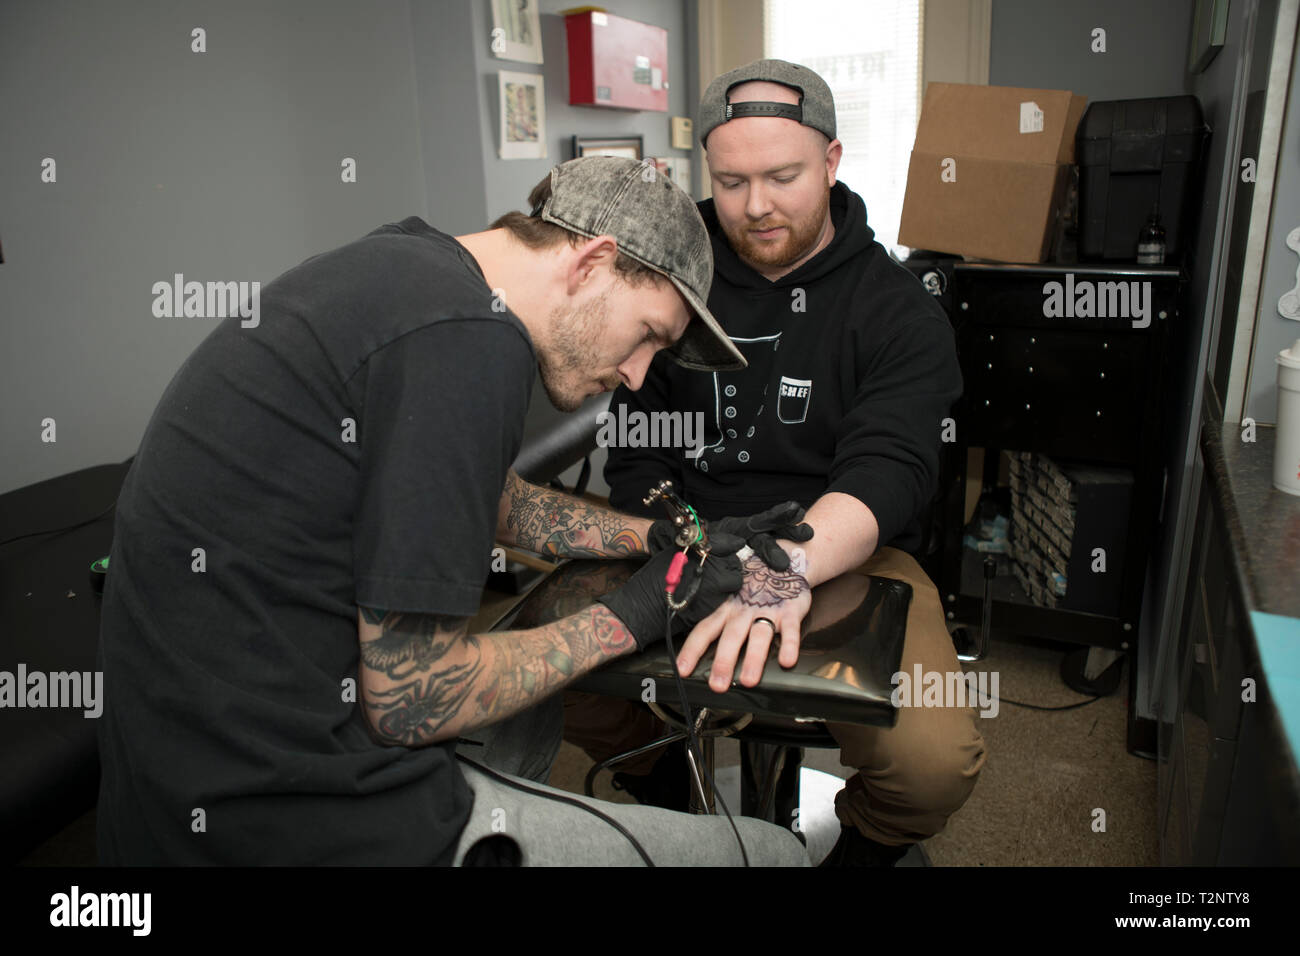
(765, 620)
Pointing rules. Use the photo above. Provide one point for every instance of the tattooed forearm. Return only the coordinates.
(407, 642)
(553, 523)
(571, 588)
(414, 712)
(531, 665)
(417, 670)
(764, 587)
(425, 679)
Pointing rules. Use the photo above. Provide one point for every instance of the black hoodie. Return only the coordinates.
(852, 369)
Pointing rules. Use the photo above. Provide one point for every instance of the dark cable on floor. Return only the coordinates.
(1082, 703)
(588, 785)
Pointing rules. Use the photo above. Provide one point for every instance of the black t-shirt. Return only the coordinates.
(350, 449)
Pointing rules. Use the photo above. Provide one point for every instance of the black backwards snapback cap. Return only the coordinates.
(816, 106)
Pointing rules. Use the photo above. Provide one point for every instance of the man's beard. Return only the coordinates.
(799, 239)
(571, 358)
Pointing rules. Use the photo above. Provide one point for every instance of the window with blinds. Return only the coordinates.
(869, 53)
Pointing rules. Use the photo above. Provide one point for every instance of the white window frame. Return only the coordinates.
(955, 43)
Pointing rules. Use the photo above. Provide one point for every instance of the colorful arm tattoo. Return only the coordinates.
(425, 679)
(560, 525)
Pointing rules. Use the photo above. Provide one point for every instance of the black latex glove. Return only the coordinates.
(640, 603)
(759, 531)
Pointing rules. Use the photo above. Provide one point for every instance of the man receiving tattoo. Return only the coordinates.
(852, 368)
(307, 528)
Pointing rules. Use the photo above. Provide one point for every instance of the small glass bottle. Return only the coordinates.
(1151, 241)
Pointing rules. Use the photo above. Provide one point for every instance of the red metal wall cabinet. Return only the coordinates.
(617, 63)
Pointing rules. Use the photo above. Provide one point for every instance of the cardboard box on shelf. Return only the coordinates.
(989, 170)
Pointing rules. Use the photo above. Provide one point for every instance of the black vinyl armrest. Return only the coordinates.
(556, 447)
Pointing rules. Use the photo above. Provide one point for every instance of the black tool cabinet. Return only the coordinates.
(1078, 388)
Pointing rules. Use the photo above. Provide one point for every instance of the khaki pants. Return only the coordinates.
(910, 778)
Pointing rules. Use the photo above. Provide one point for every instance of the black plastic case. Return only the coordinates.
(1132, 154)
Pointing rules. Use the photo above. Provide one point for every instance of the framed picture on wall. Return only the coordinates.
(629, 147)
(1209, 28)
(516, 31)
(523, 115)
(676, 169)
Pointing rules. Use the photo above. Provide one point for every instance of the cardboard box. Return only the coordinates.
(989, 170)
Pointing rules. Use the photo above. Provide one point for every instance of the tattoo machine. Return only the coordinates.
(691, 537)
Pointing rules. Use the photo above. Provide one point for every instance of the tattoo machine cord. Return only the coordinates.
(502, 778)
(693, 741)
(689, 539)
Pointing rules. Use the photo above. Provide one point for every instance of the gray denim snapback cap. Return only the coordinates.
(816, 107)
(655, 223)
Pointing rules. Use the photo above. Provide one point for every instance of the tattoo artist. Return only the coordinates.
(306, 530)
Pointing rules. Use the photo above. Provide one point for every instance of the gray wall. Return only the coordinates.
(508, 182)
(1049, 46)
(444, 56)
(221, 166)
(225, 166)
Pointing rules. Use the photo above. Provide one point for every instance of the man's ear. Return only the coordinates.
(589, 260)
(834, 151)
